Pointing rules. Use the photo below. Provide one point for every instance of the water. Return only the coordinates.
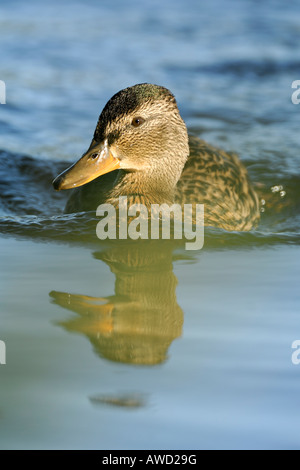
(128, 347)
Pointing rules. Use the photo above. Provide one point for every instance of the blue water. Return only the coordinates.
(193, 352)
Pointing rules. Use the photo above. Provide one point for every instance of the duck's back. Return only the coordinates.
(220, 182)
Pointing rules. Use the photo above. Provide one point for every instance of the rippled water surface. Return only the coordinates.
(145, 345)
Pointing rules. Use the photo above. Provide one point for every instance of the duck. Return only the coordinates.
(141, 149)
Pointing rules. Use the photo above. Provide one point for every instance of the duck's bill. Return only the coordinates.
(96, 162)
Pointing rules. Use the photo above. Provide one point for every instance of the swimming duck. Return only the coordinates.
(141, 149)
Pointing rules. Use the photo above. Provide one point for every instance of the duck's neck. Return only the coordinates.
(142, 188)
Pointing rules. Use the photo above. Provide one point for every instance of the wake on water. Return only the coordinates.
(29, 207)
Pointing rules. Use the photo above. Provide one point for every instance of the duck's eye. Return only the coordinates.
(138, 121)
(94, 156)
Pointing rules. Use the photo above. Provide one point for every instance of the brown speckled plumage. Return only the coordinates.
(219, 181)
(161, 163)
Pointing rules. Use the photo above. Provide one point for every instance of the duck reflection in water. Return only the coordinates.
(139, 322)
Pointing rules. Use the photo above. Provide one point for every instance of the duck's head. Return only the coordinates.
(139, 130)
